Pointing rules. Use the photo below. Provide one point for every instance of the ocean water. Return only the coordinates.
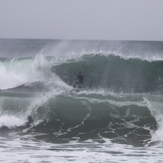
(116, 117)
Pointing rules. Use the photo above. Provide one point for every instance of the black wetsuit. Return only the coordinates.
(79, 82)
(80, 79)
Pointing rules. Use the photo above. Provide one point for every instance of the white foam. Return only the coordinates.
(26, 150)
(155, 106)
(11, 121)
(17, 72)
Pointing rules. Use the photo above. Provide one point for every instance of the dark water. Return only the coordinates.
(118, 111)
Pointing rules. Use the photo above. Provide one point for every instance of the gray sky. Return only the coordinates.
(82, 19)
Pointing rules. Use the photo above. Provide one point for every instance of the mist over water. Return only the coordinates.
(118, 111)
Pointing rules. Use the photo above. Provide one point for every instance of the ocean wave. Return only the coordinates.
(100, 71)
(68, 114)
(120, 99)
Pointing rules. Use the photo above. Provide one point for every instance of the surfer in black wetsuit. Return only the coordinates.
(80, 79)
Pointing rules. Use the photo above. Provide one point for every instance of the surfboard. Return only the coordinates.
(77, 89)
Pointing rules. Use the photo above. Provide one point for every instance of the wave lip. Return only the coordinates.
(22, 71)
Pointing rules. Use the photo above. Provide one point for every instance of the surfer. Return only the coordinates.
(80, 79)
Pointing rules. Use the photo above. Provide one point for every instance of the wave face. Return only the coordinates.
(114, 73)
(120, 100)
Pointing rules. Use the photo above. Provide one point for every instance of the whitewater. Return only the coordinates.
(117, 116)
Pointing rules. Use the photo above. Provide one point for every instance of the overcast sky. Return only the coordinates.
(82, 19)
